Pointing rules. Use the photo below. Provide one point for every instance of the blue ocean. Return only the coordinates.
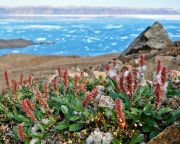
(77, 36)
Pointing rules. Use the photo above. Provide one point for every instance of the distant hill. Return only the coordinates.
(85, 11)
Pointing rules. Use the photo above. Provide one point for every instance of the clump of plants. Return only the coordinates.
(123, 108)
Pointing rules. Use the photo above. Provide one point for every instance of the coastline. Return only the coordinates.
(140, 16)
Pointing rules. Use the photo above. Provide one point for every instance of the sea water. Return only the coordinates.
(78, 36)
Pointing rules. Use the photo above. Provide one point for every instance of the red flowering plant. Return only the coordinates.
(120, 109)
(160, 82)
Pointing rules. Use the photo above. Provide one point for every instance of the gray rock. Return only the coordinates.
(154, 37)
(106, 101)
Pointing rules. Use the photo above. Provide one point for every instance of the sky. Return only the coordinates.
(175, 4)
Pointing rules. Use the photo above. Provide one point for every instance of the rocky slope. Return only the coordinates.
(155, 43)
(43, 66)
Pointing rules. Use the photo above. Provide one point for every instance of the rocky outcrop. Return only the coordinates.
(20, 43)
(14, 43)
(171, 135)
(154, 37)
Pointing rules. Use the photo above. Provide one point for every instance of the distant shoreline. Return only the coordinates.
(140, 16)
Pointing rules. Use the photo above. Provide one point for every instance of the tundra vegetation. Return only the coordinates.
(121, 108)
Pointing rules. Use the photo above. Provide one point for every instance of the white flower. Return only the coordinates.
(126, 73)
(75, 112)
(140, 72)
(45, 121)
(33, 141)
(158, 79)
(90, 140)
(43, 142)
(35, 129)
(135, 125)
(144, 68)
(100, 92)
(111, 73)
(107, 138)
(165, 87)
(138, 75)
(98, 137)
(100, 89)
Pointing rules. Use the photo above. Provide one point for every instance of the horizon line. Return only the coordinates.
(27, 6)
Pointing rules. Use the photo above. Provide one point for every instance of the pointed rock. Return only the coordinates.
(154, 37)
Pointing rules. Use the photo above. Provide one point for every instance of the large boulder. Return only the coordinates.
(154, 37)
(171, 135)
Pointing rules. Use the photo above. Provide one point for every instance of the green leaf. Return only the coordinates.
(77, 105)
(121, 96)
(20, 118)
(39, 115)
(42, 110)
(147, 128)
(52, 121)
(148, 109)
(115, 141)
(15, 131)
(162, 111)
(64, 109)
(137, 96)
(75, 117)
(37, 135)
(137, 138)
(135, 111)
(65, 100)
(174, 116)
(1, 108)
(62, 125)
(144, 90)
(150, 121)
(41, 127)
(57, 99)
(86, 113)
(154, 134)
(75, 127)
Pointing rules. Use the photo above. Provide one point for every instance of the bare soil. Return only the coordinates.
(43, 66)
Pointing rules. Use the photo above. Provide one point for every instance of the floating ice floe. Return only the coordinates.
(41, 39)
(124, 37)
(114, 43)
(15, 51)
(78, 26)
(43, 27)
(68, 36)
(134, 35)
(113, 26)
(97, 32)
(72, 31)
(35, 49)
